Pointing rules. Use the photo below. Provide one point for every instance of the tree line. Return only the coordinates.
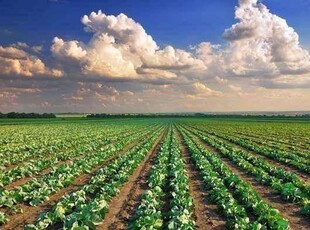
(27, 115)
(202, 115)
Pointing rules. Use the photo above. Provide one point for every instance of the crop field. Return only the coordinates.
(155, 173)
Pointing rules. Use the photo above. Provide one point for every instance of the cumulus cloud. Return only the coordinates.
(96, 91)
(15, 61)
(120, 47)
(25, 46)
(235, 88)
(220, 80)
(37, 49)
(285, 82)
(259, 45)
(70, 49)
(204, 90)
(262, 43)
(259, 50)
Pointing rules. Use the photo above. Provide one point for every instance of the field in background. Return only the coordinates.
(164, 173)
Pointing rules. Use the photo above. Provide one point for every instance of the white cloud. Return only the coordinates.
(16, 61)
(120, 47)
(12, 53)
(262, 44)
(21, 45)
(122, 64)
(221, 80)
(37, 49)
(203, 90)
(70, 49)
(235, 88)
(25, 46)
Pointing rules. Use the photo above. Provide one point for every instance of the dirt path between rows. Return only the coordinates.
(288, 210)
(123, 206)
(22, 181)
(30, 213)
(206, 215)
(42, 155)
(301, 175)
(269, 140)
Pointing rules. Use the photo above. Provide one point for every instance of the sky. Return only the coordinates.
(117, 56)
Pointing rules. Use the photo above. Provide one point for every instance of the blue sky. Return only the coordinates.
(174, 22)
(199, 56)
(179, 23)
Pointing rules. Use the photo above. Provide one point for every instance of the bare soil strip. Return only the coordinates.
(30, 213)
(289, 210)
(206, 216)
(301, 175)
(46, 171)
(46, 155)
(123, 206)
(287, 145)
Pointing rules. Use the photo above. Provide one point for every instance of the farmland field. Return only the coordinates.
(163, 173)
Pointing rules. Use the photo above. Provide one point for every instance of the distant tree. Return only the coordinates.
(14, 115)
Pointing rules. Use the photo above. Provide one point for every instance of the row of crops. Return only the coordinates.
(84, 155)
(233, 197)
(89, 164)
(167, 179)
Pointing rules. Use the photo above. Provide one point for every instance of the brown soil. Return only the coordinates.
(44, 172)
(22, 181)
(288, 146)
(206, 216)
(301, 175)
(288, 210)
(29, 215)
(45, 155)
(123, 206)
